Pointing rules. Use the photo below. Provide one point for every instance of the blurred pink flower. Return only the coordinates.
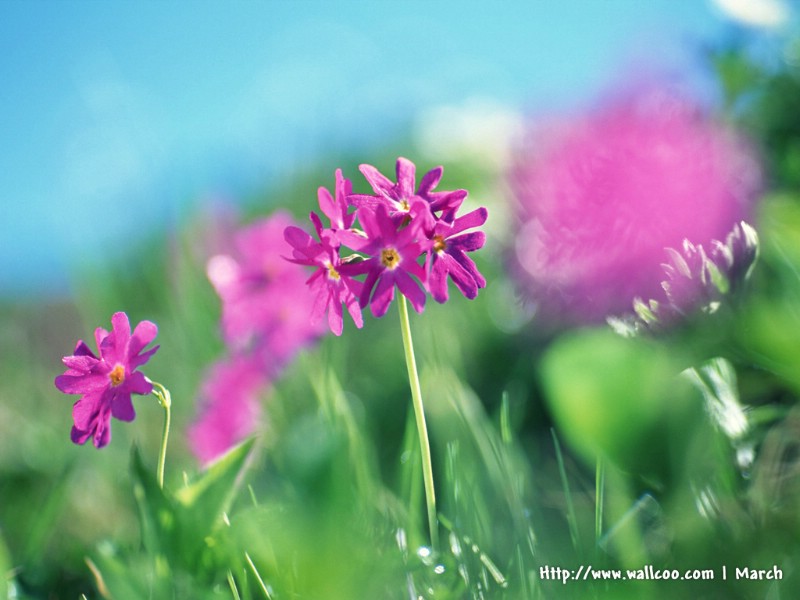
(229, 407)
(601, 199)
(265, 304)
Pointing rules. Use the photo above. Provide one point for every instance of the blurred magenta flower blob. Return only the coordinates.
(265, 323)
(229, 407)
(601, 199)
(265, 304)
(107, 382)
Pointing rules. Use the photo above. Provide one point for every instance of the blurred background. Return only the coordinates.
(120, 118)
(137, 136)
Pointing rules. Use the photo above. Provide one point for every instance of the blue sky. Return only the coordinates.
(114, 115)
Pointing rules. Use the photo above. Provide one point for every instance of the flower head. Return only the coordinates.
(696, 280)
(399, 226)
(229, 407)
(600, 200)
(107, 382)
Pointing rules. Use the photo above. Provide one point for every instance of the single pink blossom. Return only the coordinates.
(332, 282)
(399, 198)
(335, 206)
(447, 256)
(393, 260)
(230, 407)
(107, 382)
(601, 199)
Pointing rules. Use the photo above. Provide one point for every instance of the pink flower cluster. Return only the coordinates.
(265, 323)
(410, 237)
(601, 199)
(401, 224)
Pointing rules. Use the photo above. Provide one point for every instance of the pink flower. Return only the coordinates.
(447, 256)
(400, 198)
(229, 407)
(106, 383)
(600, 200)
(393, 260)
(332, 282)
(336, 207)
(265, 305)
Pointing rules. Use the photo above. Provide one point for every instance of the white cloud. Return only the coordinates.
(479, 130)
(758, 13)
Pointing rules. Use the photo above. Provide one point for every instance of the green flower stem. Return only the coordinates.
(419, 413)
(165, 400)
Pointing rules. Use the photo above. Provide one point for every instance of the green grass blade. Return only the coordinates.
(572, 520)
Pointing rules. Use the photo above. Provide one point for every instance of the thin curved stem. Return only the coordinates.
(422, 429)
(165, 400)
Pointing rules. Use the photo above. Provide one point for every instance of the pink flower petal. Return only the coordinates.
(335, 320)
(85, 410)
(138, 384)
(82, 384)
(383, 296)
(379, 182)
(410, 290)
(430, 180)
(144, 333)
(122, 407)
(406, 171)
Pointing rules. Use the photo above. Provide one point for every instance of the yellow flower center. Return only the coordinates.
(404, 205)
(390, 258)
(439, 244)
(117, 375)
(333, 273)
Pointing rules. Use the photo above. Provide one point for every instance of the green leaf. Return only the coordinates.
(716, 381)
(779, 221)
(212, 492)
(203, 502)
(157, 515)
(737, 74)
(612, 396)
(115, 579)
(178, 530)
